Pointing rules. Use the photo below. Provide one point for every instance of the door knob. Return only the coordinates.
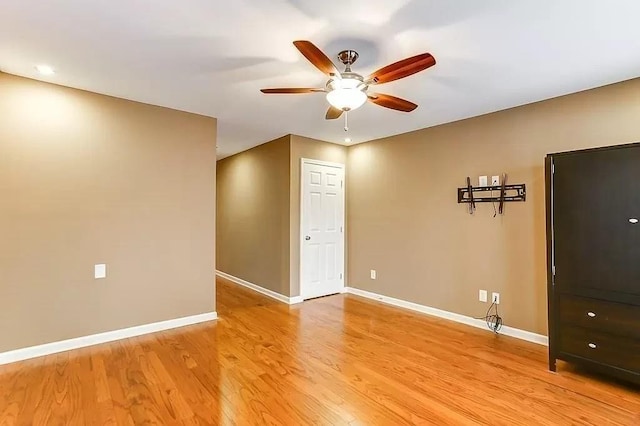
(633, 220)
(307, 238)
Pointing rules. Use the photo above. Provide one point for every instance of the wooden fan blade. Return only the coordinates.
(333, 113)
(316, 57)
(290, 90)
(392, 102)
(402, 69)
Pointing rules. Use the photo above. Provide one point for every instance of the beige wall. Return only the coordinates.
(87, 179)
(314, 149)
(404, 220)
(253, 215)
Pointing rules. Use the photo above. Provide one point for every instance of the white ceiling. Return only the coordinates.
(213, 56)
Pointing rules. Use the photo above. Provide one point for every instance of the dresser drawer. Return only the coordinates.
(618, 351)
(594, 314)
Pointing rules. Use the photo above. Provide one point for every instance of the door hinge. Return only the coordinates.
(341, 275)
(341, 229)
(553, 270)
(341, 183)
(553, 168)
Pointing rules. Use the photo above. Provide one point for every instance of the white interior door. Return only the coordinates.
(322, 229)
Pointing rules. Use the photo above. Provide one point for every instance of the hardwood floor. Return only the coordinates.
(336, 360)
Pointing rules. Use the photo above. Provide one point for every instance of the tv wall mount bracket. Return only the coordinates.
(487, 194)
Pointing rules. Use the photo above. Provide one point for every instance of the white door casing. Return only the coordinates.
(322, 214)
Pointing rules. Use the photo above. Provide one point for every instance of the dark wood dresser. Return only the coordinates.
(593, 259)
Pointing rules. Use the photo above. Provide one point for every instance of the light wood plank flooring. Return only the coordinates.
(331, 361)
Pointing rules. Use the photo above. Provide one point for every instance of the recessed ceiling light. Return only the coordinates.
(45, 69)
(347, 140)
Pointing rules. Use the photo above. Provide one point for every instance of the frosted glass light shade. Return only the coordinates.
(347, 94)
(346, 99)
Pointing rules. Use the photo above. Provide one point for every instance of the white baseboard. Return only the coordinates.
(255, 287)
(96, 339)
(295, 300)
(463, 319)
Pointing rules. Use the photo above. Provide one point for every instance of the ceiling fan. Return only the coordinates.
(348, 90)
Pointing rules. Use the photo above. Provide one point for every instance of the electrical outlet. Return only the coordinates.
(482, 181)
(373, 274)
(495, 180)
(495, 297)
(100, 271)
(482, 296)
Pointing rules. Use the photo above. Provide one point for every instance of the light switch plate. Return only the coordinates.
(482, 181)
(100, 271)
(373, 274)
(482, 296)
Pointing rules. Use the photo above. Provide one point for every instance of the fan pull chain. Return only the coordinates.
(346, 121)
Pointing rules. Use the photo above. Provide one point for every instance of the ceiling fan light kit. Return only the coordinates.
(347, 93)
(348, 90)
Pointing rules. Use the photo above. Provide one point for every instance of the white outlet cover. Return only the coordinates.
(495, 180)
(482, 295)
(373, 274)
(100, 271)
(482, 181)
(496, 298)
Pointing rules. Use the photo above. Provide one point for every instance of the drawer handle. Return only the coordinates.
(593, 345)
(591, 314)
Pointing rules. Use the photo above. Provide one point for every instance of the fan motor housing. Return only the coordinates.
(358, 83)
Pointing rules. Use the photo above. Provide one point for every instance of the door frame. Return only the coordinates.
(342, 167)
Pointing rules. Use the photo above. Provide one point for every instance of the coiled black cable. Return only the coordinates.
(494, 321)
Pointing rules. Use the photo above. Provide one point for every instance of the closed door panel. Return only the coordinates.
(322, 229)
(596, 206)
(315, 211)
